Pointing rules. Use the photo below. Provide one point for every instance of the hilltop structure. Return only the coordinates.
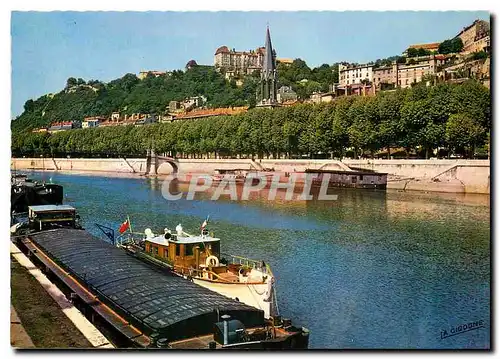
(268, 76)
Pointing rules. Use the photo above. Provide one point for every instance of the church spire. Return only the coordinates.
(269, 65)
(268, 75)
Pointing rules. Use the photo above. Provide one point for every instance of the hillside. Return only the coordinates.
(129, 94)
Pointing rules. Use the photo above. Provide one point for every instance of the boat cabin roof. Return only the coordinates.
(51, 208)
(181, 240)
(195, 239)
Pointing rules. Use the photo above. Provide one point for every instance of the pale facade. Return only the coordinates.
(91, 122)
(350, 75)
(238, 62)
(472, 33)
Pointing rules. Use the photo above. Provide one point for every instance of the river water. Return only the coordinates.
(372, 269)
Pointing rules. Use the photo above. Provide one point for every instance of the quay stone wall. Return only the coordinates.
(459, 176)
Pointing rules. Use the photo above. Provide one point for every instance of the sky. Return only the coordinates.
(49, 47)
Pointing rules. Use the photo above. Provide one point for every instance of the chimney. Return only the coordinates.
(226, 318)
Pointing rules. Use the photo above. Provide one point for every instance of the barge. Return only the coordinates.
(26, 192)
(349, 179)
(145, 306)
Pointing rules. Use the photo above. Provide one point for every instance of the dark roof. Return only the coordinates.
(151, 299)
(191, 63)
(268, 67)
(222, 50)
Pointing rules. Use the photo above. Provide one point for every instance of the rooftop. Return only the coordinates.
(431, 45)
(195, 239)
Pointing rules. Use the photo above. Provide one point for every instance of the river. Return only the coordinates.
(371, 270)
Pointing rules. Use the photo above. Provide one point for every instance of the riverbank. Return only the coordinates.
(452, 176)
(42, 318)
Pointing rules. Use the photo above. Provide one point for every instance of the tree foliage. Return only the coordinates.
(415, 52)
(451, 46)
(419, 119)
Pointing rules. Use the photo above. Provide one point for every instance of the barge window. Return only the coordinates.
(156, 250)
(150, 248)
(360, 177)
(189, 249)
(177, 250)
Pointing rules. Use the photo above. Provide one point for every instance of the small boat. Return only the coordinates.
(198, 258)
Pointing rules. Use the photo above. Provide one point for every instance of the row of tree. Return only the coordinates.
(421, 119)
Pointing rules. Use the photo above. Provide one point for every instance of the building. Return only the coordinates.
(90, 122)
(146, 120)
(204, 113)
(404, 75)
(174, 106)
(432, 47)
(319, 97)
(62, 126)
(191, 64)
(232, 62)
(354, 80)
(115, 116)
(268, 76)
(285, 94)
(40, 130)
(385, 77)
(349, 75)
(286, 62)
(471, 34)
(193, 102)
(144, 74)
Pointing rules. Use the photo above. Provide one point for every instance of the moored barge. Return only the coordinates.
(26, 192)
(147, 306)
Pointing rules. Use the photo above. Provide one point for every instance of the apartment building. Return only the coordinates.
(404, 75)
(473, 33)
(350, 75)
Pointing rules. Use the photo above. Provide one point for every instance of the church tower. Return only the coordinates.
(268, 76)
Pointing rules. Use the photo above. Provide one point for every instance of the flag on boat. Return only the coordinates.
(205, 222)
(124, 226)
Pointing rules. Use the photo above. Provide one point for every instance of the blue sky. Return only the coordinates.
(49, 47)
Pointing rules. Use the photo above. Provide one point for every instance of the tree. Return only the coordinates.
(479, 55)
(70, 82)
(463, 134)
(451, 46)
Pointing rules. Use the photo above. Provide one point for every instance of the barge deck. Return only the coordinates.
(137, 300)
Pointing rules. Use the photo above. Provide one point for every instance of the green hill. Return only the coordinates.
(129, 94)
